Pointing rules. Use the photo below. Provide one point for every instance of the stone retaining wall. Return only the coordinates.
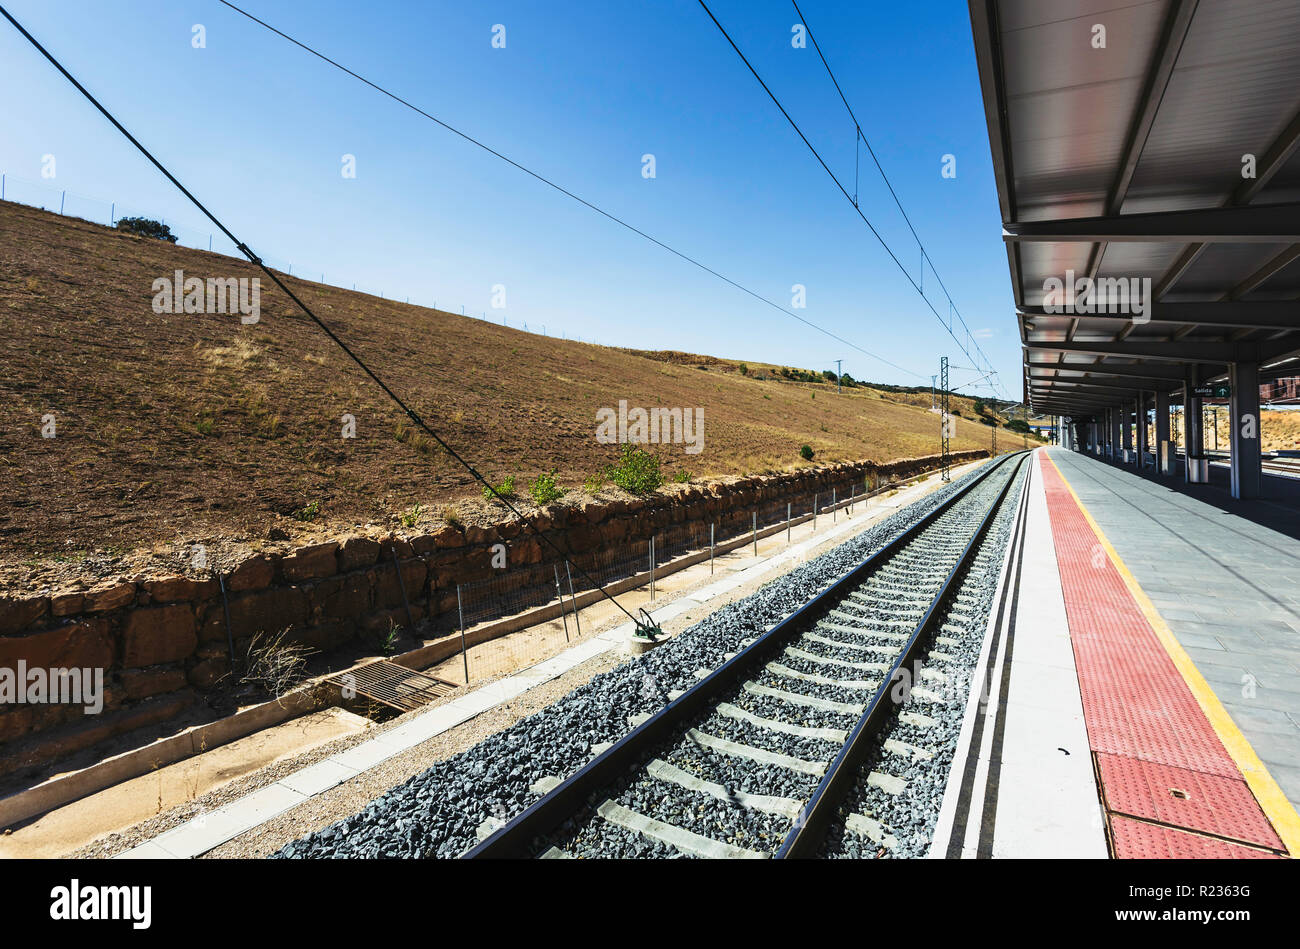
(162, 640)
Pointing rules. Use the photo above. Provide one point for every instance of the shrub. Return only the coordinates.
(1018, 425)
(682, 477)
(145, 227)
(593, 484)
(308, 513)
(411, 516)
(744, 370)
(806, 453)
(979, 407)
(273, 665)
(505, 489)
(544, 489)
(637, 471)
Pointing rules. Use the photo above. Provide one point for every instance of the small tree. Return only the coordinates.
(544, 489)
(806, 453)
(145, 227)
(637, 471)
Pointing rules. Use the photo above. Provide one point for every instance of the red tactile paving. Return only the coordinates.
(1144, 724)
(1184, 798)
(1138, 840)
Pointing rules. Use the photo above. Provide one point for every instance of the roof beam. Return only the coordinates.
(1150, 373)
(1264, 315)
(1177, 23)
(1252, 224)
(1274, 157)
(1162, 351)
(1273, 267)
(1076, 385)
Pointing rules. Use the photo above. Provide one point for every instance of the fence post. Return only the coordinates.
(62, 198)
(2, 187)
(835, 514)
(464, 655)
(815, 496)
(712, 525)
(573, 600)
(652, 568)
(401, 585)
(754, 516)
(787, 522)
(112, 214)
(853, 492)
(560, 593)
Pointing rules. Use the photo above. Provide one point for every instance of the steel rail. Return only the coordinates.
(516, 839)
(810, 826)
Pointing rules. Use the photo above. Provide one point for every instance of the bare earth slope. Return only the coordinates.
(173, 429)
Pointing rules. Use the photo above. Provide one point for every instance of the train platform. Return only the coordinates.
(1141, 696)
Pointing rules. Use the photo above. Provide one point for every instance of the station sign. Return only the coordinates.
(1220, 391)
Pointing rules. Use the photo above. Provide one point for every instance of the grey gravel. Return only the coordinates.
(437, 813)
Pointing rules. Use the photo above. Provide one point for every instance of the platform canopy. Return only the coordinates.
(1145, 145)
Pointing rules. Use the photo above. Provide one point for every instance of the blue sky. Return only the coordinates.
(257, 129)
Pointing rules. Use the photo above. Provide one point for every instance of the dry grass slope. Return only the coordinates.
(173, 429)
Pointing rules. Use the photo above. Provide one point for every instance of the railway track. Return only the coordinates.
(762, 755)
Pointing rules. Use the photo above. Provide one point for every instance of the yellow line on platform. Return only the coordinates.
(1271, 799)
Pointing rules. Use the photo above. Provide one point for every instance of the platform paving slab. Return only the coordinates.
(1224, 584)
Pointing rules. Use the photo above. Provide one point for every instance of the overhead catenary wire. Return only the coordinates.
(253, 258)
(925, 255)
(567, 193)
(850, 198)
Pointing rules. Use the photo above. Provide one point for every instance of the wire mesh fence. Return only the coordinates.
(529, 613)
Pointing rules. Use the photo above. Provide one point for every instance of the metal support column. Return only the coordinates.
(1164, 447)
(1196, 469)
(1142, 430)
(1244, 422)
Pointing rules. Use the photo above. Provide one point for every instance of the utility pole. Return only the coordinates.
(932, 393)
(839, 371)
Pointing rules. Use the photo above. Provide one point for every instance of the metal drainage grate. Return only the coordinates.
(393, 685)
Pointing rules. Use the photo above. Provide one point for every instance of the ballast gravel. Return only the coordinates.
(439, 812)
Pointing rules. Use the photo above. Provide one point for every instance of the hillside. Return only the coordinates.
(173, 429)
